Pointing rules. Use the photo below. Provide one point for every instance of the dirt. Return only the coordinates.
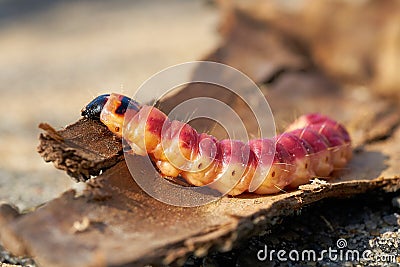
(367, 222)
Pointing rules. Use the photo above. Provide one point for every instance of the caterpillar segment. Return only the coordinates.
(338, 138)
(313, 146)
(275, 166)
(321, 158)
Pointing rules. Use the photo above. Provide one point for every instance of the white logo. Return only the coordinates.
(341, 243)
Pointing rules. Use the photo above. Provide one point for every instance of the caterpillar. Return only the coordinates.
(312, 146)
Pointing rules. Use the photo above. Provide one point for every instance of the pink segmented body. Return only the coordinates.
(313, 146)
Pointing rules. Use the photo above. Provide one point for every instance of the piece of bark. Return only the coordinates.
(131, 227)
(82, 149)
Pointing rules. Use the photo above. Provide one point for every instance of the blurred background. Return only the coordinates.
(57, 55)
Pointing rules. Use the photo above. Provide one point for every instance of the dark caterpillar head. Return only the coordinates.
(94, 108)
